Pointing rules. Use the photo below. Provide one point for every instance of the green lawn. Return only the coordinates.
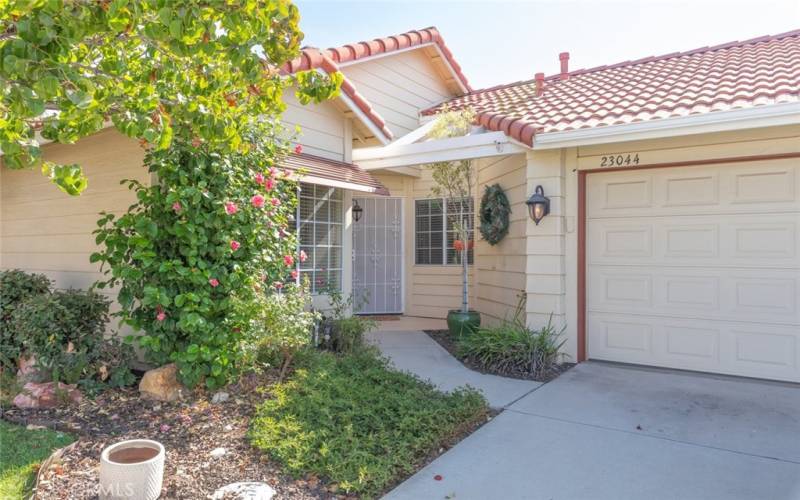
(21, 452)
(353, 421)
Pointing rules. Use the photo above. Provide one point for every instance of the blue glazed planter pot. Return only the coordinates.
(462, 323)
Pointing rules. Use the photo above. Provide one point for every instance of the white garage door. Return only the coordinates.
(696, 268)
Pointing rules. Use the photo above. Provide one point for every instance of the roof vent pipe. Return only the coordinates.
(539, 84)
(564, 58)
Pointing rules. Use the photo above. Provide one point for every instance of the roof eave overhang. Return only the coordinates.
(311, 179)
(420, 153)
(718, 121)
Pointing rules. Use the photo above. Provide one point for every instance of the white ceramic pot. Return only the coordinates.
(131, 478)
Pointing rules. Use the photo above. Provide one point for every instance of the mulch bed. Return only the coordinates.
(189, 431)
(445, 339)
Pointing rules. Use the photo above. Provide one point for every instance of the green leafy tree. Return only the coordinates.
(157, 70)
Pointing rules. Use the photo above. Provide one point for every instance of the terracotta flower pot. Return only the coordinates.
(133, 470)
(462, 323)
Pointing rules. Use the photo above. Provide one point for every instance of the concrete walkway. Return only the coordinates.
(611, 432)
(415, 352)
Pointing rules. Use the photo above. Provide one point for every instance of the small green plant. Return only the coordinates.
(65, 332)
(512, 347)
(16, 286)
(282, 326)
(342, 331)
(354, 421)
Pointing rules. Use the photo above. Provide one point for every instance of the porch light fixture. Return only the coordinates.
(357, 211)
(538, 205)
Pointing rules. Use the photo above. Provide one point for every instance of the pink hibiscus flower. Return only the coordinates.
(275, 202)
(259, 178)
(303, 256)
(288, 260)
(278, 285)
(231, 208)
(294, 274)
(177, 207)
(257, 201)
(269, 184)
(235, 245)
(214, 282)
(298, 149)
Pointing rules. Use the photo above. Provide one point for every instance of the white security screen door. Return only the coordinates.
(378, 256)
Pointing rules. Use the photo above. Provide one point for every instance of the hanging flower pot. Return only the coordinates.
(133, 470)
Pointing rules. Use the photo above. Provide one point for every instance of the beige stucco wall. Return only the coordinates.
(552, 267)
(398, 87)
(497, 277)
(46, 231)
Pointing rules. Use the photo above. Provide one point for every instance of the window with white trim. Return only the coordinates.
(320, 228)
(435, 231)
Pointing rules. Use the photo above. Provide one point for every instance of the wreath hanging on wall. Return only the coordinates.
(494, 213)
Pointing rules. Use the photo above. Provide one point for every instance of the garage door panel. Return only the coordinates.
(732, 240)
(768, 187)
(764, 351)
(696, 268)
(750, 295)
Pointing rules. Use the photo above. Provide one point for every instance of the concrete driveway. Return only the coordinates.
(604, 431)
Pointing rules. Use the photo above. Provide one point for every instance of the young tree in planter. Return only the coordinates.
(197, 83)
(454, 181)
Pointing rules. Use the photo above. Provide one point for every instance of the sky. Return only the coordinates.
(498, 42)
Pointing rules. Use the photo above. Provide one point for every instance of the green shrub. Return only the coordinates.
(341, 331)
(65, 330)
(192, 256)
(282, 326)
(354, 421)
(512, 347)
(15, 287)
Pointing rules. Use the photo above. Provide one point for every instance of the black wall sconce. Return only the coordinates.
(357, 211)
(538, 205)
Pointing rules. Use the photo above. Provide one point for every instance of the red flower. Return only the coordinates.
(161, 316)
(275, 202)
(288, 260)
(259, 178)
(177, 207)
(278, 285)
(269, 184)
(235, 245)
(231, 208)
(213, 282)
(298, 149)
(303, 256)
(458, 245)
(294, 274)
(257, 201)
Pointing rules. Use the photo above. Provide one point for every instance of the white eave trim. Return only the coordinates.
(363, 118)
(717, 121)
(421, 153)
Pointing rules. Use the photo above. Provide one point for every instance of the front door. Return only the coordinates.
(378, 256)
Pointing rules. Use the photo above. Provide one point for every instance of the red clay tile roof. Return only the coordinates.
(746, 74)
(329, 60)
(318, 170)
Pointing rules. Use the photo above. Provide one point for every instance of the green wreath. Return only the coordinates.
(495, 210)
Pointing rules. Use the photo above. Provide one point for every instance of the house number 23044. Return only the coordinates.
(623, 160)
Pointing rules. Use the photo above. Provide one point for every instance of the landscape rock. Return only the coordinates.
(46, 395)
(29, 372)
(161, 384)
(250, 490)
(220, 397)
(218, 452)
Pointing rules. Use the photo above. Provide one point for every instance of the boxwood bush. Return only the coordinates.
(16, 286)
